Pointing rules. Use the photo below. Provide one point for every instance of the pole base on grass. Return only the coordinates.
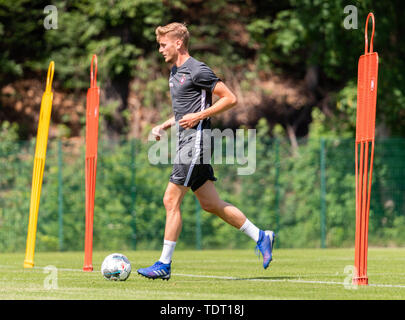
(28, 264)
(88, 268)
(360, 281)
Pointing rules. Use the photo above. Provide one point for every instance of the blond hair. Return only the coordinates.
(176, 30)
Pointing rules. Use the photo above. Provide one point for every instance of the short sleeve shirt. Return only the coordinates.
(191, 87)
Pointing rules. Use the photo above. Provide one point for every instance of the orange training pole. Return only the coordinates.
(365, 132)
(92, 109)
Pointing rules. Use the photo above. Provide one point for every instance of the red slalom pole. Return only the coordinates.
(365, 133)
(92, 111)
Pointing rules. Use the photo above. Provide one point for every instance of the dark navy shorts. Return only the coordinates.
(192, 176)
(192, 166)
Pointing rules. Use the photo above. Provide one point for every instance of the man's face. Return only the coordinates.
(169, 47)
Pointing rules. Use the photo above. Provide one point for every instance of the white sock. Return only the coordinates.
(251, 230)
(167, 252)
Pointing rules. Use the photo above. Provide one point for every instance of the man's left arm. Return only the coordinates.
(226, 101)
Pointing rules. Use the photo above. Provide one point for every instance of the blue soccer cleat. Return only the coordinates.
(265, 246)
(158, 271)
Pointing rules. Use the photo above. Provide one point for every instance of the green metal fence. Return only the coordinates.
(307, 195)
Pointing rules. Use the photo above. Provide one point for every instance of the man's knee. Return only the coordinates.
(168, 201)
(171, 203)
(210, 206)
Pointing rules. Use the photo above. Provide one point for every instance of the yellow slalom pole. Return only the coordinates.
(39, 164)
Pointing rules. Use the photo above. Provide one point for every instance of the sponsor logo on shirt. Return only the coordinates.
(183, 79)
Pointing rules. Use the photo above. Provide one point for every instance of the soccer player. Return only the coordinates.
(192, 84)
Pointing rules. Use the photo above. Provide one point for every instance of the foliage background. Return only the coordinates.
(293, 67)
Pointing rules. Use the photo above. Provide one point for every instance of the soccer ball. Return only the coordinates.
(115, 267)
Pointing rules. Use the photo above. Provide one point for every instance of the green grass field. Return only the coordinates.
(210, 275)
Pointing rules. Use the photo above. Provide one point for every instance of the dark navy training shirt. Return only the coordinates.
(191, 87)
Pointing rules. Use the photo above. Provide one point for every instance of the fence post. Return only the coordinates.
(198, 224)
(277, 187)
(60, 195)
(133, 191)
(323, 193)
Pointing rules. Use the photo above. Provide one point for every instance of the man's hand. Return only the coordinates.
(190, 120)
(157, 132)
